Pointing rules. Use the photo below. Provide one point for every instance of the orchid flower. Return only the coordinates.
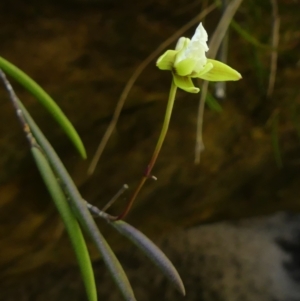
(188, 61)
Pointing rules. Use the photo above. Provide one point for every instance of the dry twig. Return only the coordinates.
(214, 45)
(274, 54)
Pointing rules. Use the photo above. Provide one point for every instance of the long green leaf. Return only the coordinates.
(70, 222)
(37, 91)
(152, 252)
(212, 103)
(82, 212)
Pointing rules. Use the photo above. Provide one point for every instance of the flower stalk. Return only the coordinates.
(156, 152)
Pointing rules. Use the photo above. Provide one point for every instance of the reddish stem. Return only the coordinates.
(156, 152)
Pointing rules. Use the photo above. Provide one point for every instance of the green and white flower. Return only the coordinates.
(189, 60)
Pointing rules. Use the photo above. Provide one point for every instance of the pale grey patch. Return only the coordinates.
(255, 259)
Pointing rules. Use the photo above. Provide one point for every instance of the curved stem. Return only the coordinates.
(156, 152)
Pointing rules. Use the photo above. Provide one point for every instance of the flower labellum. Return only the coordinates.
(188, 60)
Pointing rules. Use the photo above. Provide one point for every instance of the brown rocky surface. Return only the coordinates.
(83, 53)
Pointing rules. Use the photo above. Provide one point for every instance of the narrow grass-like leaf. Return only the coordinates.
(212, 103)
(248, 37)
(152, 252)
(82, 213)
(37, 91)
(70, 222)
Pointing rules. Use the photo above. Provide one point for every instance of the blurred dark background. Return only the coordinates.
(82, 53)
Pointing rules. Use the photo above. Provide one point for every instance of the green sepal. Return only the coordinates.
(220, 72)
(185, 83)
(166, 61)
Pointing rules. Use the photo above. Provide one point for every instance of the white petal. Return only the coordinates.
(197, 48)
(194, 49)
(200, 37)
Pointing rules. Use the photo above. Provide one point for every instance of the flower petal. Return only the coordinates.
(197, 48)
(166, 61)
(185, 67)
(220, 72)
(181, 43)
(185, 83)
(200, 38)
(205, 69)
(181, 47)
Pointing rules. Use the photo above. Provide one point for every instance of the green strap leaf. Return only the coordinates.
(152, 252)
(212, 103)
(45, 99)
(82, 213)
(70, 222)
